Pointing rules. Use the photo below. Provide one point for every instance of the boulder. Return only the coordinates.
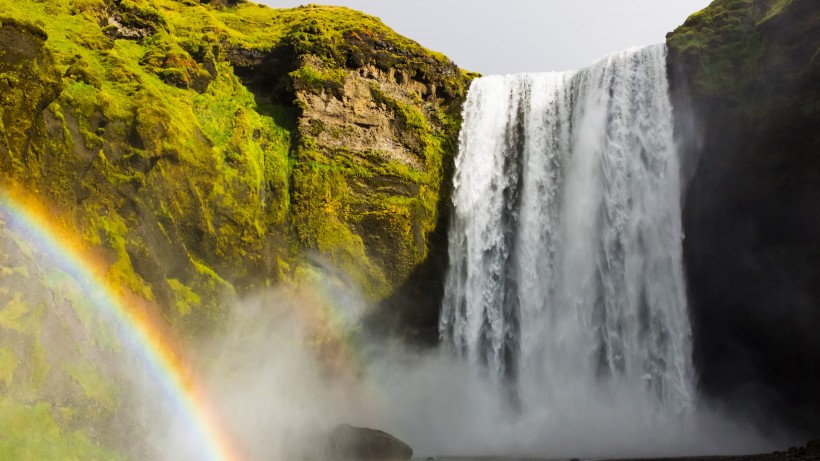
(349, 443)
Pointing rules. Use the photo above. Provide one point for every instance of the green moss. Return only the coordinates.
(99, 392)
(114, 231)
(8, 363)
(726, 42)
(130, 120)
(197, 319)
(99, 332)
(776, 8)
(39, 366)
(30, 433)
(322, 205)
(185, 299)
(16, 314)
(734, 48)
(44, 352)
(312, 78)
(370, 213)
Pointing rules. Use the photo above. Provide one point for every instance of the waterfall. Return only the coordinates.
(566, 277)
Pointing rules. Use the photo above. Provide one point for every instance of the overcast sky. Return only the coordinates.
(508, 36)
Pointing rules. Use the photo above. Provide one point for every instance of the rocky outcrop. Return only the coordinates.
(375, 137)
(208, 161)
(377, 127)
(203, 151)
(349, 443)
(29, 81)
(745, 80)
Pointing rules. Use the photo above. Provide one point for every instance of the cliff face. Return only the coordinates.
(209, 148)
(204, 151)
(745, 79)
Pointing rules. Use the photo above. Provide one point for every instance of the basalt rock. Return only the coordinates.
(745, 82)
(349, 443)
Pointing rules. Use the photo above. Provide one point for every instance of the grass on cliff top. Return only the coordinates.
(725, 36)
(246, 25)
(265, 26)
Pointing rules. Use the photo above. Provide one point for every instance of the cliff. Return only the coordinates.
(745, 81)
(205, 151)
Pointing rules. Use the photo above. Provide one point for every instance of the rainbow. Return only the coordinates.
(143, 335)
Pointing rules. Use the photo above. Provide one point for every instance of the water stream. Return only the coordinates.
(566, 280)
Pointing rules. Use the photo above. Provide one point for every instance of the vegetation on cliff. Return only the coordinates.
(730, 43)
(206, 151)
(186, 124)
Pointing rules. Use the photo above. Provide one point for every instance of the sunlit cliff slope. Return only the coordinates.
(203, 152)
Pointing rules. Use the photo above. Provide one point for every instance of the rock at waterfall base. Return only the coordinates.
(349, 443)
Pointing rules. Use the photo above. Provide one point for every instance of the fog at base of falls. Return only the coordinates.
(280, 395)
(294, 363)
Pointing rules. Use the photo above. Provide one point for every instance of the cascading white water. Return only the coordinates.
(566, 275)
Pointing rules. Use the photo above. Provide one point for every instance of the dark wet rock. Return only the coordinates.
(744, 82)
(349, 443)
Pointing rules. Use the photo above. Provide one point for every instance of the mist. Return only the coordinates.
(294, 362)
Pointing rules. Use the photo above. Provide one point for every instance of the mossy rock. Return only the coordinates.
(207, 150)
